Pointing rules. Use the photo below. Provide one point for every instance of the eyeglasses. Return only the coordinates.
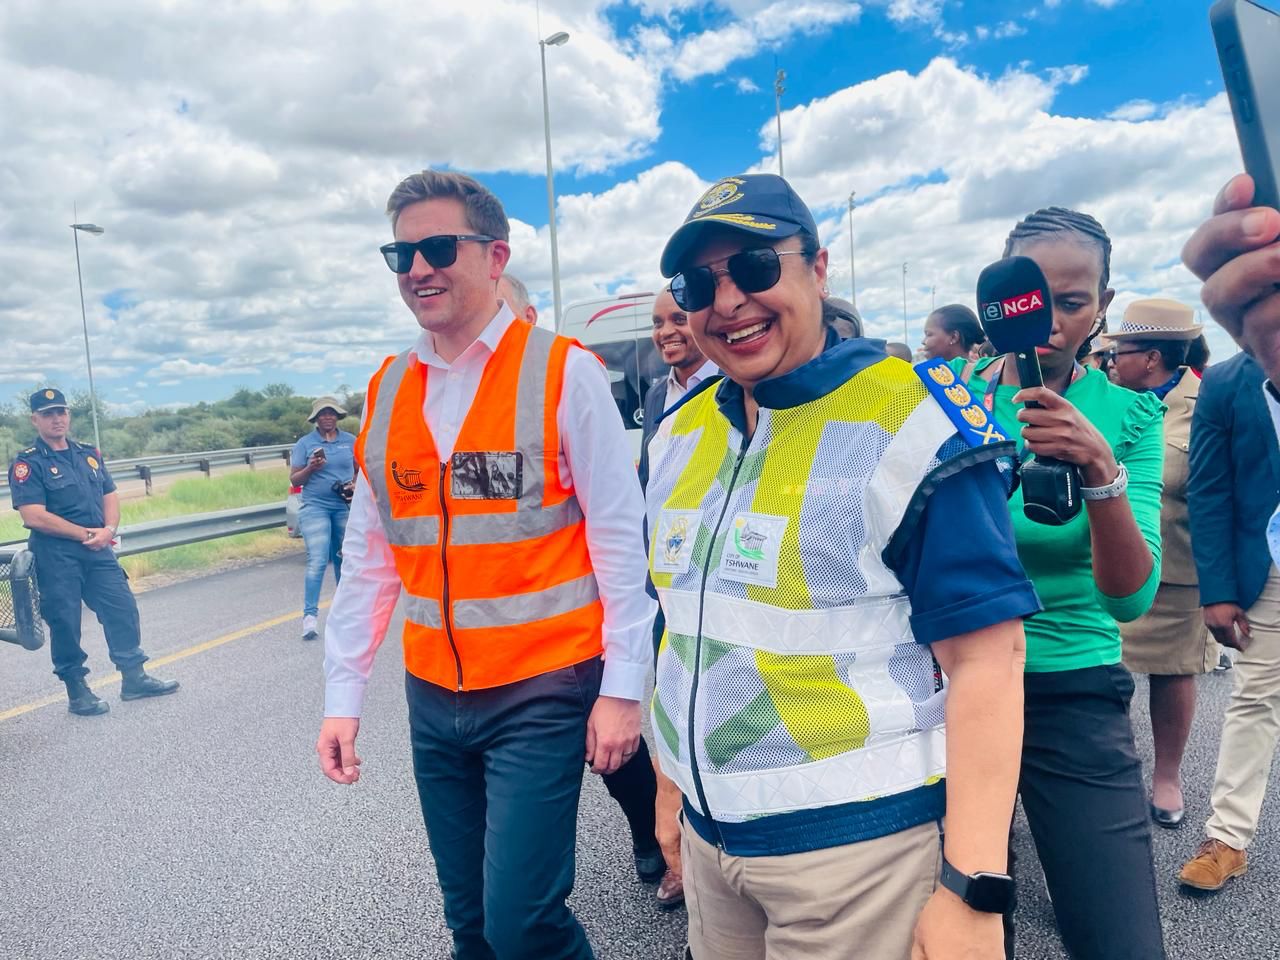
(439, 251)
(1112, 354)
(753, 271)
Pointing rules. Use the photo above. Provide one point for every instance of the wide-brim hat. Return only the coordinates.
(757, 204)
(326, 403)
(1157, 319)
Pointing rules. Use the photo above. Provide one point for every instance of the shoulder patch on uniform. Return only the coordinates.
(21, 471)
(977, 427)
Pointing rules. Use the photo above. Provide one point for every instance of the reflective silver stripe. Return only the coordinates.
(424, 611)
(531, 404)
(526, 607)
(401, 531)
(470, 529)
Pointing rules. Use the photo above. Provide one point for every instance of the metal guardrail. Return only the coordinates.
(20, 621)
(144, 468)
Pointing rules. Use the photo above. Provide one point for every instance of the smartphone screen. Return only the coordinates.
(1248, 40)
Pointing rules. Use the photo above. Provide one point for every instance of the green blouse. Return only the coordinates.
(1078, 625)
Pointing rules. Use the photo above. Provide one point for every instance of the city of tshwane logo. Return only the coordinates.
(677, 534)
(410, 480)
(750, 542)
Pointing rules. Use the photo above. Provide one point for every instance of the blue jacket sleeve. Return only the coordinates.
(964, 578)
(1210, 492)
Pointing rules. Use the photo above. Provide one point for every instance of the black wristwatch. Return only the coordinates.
(984, 892)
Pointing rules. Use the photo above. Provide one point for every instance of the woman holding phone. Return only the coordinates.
(1081, 779)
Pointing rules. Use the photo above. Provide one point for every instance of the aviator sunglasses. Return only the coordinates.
(440, 251)
(753, 271)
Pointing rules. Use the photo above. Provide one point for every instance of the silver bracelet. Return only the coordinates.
(1112, 490)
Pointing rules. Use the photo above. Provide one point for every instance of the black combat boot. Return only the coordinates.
(137, 684)
(82, 701)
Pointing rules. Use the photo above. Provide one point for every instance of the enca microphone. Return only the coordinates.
(1016, 310)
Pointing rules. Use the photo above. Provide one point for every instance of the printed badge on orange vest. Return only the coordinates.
(487, 476)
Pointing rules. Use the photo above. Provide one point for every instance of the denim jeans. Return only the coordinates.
(323, 526)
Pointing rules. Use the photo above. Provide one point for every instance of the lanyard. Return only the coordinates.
(994, 373)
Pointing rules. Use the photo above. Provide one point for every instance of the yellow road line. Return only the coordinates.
(112, 679)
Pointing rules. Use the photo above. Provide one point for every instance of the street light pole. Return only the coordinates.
(84, 323)
(778, 91)
(906, 337)
(853, 287)
(555, 40)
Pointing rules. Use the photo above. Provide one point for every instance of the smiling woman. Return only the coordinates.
(789, 507)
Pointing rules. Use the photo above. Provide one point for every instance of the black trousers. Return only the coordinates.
(1082, 791)
(69, 573)
(499, 772)
(634, 786)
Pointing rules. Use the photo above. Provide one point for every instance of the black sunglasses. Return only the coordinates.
(439, 251)
(753, 271)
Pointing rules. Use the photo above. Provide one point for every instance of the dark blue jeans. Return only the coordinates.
(499, 772)
(322, 525)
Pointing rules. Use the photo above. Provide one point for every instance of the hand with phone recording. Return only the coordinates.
(1236, 254)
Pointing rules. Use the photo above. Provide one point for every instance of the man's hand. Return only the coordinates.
(1223, 619)
(667, 810)
(949, 929)
(1236, 255)
(613, 733)
(337, 749)
(102, 537)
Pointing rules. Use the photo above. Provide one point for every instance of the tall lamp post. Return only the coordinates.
(76, 229)
(906, 337)
(778, 91)
(555, 40)
(853, 287)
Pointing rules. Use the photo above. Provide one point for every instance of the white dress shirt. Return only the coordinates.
(676, 391)
(594, 458)
(1273, 525)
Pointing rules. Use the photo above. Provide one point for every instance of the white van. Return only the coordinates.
(619, 330)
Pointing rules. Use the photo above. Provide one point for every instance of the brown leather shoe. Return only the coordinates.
(670, 892)
(1213, 865)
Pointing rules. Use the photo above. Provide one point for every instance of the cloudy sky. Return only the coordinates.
(239, 156)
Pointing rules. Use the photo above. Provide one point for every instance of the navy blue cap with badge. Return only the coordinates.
(47, 399)
(758, 204)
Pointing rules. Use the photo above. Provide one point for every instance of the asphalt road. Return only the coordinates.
(198, 826)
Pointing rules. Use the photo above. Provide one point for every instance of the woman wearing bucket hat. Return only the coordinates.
(1170, 643)
(323, 464)
(824, 626)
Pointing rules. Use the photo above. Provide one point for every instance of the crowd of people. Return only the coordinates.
(849, 690)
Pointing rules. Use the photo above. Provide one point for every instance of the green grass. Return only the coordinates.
(244, 488)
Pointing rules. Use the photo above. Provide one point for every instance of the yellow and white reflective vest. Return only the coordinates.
(788, 680)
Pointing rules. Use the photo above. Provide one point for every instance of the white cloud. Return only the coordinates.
(1134, 110)
(1068, 76)
(746, 85)
(186, 368)
(1010, 28)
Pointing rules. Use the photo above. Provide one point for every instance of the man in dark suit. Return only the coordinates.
(1233, 490)
(688, 366)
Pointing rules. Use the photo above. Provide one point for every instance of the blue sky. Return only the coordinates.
(242, 194)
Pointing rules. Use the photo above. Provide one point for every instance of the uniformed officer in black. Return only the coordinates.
(68, 501)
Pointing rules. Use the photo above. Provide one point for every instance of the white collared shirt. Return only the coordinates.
(676, 391)
(594, 457)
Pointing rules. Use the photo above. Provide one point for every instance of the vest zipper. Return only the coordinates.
(697, 648)
(446, 609)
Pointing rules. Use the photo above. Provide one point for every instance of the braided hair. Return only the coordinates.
(1059, 223)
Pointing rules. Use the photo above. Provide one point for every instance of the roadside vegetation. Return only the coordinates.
(198, 494)
(248, 418)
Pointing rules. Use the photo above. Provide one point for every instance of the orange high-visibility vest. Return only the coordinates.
(491, 547)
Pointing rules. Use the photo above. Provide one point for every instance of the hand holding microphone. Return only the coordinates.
(1015, 307)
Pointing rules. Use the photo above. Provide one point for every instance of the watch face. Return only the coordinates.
(989, 892)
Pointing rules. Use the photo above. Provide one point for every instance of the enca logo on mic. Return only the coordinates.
(1019, 305)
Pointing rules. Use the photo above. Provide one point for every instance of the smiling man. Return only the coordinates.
(496, 489)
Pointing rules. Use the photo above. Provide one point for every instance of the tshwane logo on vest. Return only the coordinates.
(410, 480)
(676, 536)
(750, 542)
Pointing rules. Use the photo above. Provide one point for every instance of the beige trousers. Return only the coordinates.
(859, 901)
(1251, 729)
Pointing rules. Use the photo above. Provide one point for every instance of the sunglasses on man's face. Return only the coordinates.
(440, 251)
(753, 271)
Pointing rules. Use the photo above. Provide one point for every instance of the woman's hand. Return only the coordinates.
(1236, 255)
(1060, 431)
